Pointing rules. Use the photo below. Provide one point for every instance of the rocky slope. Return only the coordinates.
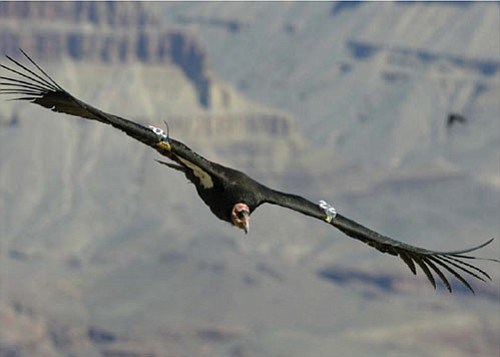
(103, 252)
(349, 72)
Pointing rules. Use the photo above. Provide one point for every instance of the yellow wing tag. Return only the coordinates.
(162, 137)
(165, 145)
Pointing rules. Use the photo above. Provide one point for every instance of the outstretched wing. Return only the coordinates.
(40, 89)
(451, 262)
(34, 85)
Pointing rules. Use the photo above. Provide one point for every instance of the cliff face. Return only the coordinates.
(97, 31)
(125, 34)
(106, 13)
(101, 31)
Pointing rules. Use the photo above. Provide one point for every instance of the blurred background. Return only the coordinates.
(390, 111)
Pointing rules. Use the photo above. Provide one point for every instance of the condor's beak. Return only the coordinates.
(245, 221)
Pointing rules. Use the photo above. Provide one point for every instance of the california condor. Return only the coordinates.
(231, 195)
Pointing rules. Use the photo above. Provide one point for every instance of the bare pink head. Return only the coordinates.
(240, 216)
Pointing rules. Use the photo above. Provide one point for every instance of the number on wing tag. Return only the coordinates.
(159, 132)
(330, 211)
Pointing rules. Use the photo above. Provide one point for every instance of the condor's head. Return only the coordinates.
(240, 216)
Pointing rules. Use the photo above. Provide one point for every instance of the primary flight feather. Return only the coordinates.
(231, 195)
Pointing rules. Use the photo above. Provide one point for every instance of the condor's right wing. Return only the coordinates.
(36, 86)
(40, 89)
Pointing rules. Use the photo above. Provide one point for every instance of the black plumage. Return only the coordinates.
(454, 118)
(231, 195)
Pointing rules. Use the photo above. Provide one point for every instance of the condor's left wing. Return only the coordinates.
(455, 263)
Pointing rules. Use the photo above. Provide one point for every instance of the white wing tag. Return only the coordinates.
(159, 132)
(330, 211)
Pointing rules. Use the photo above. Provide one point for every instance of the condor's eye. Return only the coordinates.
(241, 214)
